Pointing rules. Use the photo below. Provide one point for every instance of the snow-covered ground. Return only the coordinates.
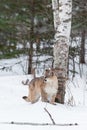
(19, 66)
(14, 109)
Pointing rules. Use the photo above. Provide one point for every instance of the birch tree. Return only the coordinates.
(62, 24)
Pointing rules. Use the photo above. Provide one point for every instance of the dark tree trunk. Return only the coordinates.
(82, 51)
(61, 83)
(30, 58)
(31, 38)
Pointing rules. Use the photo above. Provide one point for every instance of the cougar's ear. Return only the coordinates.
(33, 72)
(52, 73)
(46, 74)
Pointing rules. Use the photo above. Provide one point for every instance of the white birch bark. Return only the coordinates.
(62, 23)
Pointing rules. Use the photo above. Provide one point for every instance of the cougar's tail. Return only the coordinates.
(26, 98)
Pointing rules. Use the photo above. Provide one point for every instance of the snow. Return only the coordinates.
(14, 109)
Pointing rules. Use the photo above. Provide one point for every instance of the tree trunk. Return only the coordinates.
(31, 38)
(82, 52)
(30, 58)
(62, 25)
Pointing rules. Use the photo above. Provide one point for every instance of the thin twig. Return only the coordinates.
(50, 116)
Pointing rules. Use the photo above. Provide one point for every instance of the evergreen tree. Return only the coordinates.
(25, 24)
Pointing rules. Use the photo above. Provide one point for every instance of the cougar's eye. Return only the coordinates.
(45, 79)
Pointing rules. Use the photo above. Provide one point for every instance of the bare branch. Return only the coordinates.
(50, 116)
(38, 124)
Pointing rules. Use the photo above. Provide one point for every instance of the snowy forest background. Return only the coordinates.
(27, 41)
(27, 34)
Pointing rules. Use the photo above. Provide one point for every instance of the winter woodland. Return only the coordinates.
(43, 34)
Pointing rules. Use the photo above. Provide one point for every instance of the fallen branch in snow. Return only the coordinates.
(50, 116)
(39, 124)
(8, 66)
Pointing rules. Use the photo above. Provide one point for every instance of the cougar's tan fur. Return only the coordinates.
(44, 87)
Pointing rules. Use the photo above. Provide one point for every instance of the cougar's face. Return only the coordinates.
(48, 79)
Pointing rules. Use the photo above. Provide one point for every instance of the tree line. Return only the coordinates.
(24, 23)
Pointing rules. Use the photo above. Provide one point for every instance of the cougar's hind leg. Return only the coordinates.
(34, 96)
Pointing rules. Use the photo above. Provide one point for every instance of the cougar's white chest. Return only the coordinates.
(51, 87)
(50, 90)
